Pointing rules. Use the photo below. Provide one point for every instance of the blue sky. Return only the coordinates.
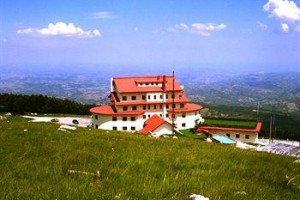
(237, 35)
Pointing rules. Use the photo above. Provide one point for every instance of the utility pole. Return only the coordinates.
(257, 111)
(173, 105)
(271, 122)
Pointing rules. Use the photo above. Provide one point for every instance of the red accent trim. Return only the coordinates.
(208, 128)
(108, 110)
(117, 102)
(189, 107)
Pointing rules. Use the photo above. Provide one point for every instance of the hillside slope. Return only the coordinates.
(35, 159)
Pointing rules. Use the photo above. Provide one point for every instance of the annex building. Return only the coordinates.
(146, 104)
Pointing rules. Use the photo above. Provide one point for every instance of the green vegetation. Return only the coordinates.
(22, 104)
(34, 165)
(230, 123)
(188, 133)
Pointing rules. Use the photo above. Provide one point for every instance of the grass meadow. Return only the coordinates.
(34, 165)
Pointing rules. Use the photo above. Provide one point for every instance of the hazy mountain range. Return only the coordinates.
(280, 91)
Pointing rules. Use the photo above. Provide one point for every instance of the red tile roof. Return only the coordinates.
(215, 128)
(189, 107)
(153, 123)
(129, 84)
(108, 110)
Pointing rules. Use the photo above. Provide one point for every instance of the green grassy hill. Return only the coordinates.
(34, 165)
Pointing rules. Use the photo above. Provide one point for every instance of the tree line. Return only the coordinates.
(24, 104)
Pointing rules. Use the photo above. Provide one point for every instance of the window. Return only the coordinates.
(96, 126)
(114, 118)
(160, 115)
(181, 105)
(124, 98)
(237, 136)
(149, 116)
(147, 83)
(160, 106)
(132, 128)
(144, 107)
(125, 108)
(96, 116)
(144, 116)
(156, 84)
(124, 128)
(154, 107)
(148, 107)
(173, 96)
(148, 96)
(183, 124)
(167, 115)
(133, 98)
(133, 107)
(154, 96)
(160, 96)
(115, 128)
(228, 135)
(174, 105)
(132, 118)
(144, 97)
(124, 119)
(183, 115)
(195, 113)
(247, 136)
(167, 106)
(167, 96)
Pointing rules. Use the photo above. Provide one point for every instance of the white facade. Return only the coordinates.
(245, 137)
(164, 129)
(117, 123)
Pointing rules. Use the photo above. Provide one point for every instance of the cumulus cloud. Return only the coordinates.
(283, 9)
(198, 28)
(62, 29)
(103, 15)
(285, 28)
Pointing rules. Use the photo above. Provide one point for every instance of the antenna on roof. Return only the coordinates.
(173, 104)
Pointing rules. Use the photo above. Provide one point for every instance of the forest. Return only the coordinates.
(25, 104)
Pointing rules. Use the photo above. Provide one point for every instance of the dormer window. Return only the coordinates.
(124, 98)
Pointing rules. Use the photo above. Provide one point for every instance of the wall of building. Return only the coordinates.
(164, 129)
(105, 122)
(241, 136)
(187, 122)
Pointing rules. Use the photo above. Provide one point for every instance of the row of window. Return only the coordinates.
(148, 84)
(124, 128)
(133, 98)
(125, 108)
(238, 136)
(124, 118)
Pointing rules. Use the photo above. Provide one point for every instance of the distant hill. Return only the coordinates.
(277, 91)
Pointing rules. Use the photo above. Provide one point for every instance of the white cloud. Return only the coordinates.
(63, 29)
(103, 15)
(285, 27)
(198, 28)
(25, 31)
(262, 26)
(283, 9)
